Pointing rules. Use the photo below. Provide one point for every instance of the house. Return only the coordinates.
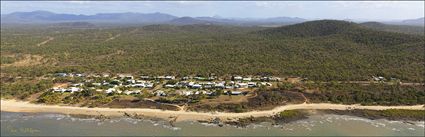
(149, 85)
(379, 78)
(247, 79)
(266, 84)
(97, 84)
(209, 93)
(132, 92)
(196, 86)
(160, 77)
(185, 78)
(73, 89)
(132, 81)
(58, 89)
(125, 76)
(61, 74)
(79, 75)
(200, 78)
(104, 83)
(236, 92)
(229, 87)
(144, 77)
(211, 78)
(190, 84)
(105, 75)
(241, 85)
(220, 85)
(77, 84)
(252, 84)
(185, 93)
(236, 78)
(160, 93)
(169, 86)
(256, 79)
(274, 79)
(110, 90)
(139, 85)
(208, 86)
(170, 77)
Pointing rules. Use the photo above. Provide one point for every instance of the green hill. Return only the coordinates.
(418, 30)
(319, 50)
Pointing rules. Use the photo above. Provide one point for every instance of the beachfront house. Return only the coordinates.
(73, 89)
(252, 84)
(233, 92)
(242, 85)
(160, 93)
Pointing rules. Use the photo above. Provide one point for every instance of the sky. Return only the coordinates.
(360, 10)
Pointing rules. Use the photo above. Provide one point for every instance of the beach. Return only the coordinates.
(22, 106)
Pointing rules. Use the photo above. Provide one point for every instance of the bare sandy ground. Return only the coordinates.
(19, 106)
(46, 41)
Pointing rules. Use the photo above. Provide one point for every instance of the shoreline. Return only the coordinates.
(22, 106)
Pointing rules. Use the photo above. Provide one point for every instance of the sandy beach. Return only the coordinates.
(21, 106)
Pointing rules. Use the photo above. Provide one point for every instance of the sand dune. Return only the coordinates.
(19, 106)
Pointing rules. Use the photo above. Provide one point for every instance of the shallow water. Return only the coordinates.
(40, 124)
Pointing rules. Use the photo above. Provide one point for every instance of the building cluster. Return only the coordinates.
(163, 85)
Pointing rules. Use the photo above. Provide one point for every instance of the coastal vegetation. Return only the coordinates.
(390, 114)
(283, 117)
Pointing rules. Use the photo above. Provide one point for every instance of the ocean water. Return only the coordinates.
(46, 124)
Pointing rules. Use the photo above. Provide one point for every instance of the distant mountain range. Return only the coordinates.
(136, 18)
(419, 21)
(158, 18)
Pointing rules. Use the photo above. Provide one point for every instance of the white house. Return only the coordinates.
(170, 77)
(237, 78)
(247, 79)
(242, 85)
(236, 92)
(110, 90)
(196, 86)
(169, 86)
(149, 85)
(219, 85)
(252, 84)
(138, 85)
(58, 89)
(73, 89)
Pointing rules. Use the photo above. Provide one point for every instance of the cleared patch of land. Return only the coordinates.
(46, 41)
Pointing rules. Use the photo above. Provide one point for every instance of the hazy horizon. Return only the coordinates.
(355, 10)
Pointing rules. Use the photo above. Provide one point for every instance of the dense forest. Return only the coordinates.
(322, 50)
